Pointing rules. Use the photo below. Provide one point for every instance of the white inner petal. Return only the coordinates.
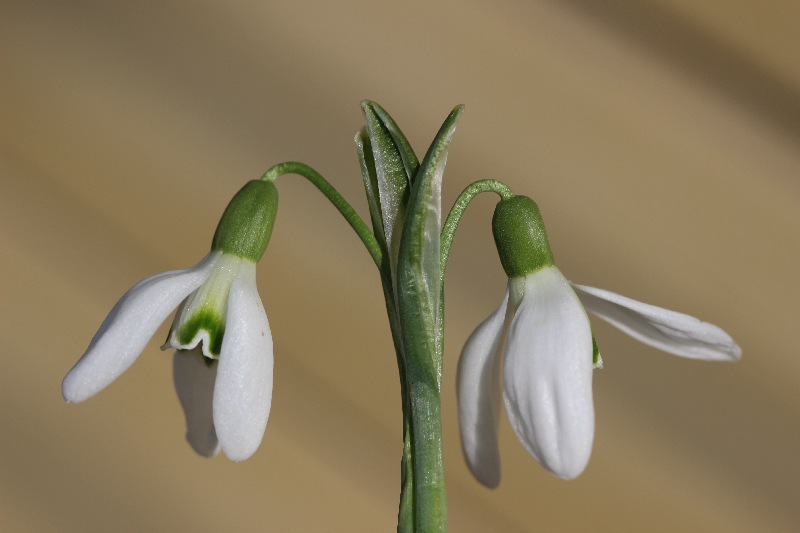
(209, 300)
(194, 382)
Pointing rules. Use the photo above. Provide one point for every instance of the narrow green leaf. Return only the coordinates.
(366, 155)
(392, 178)
(419, 275)
(367, 163)
(419, 297)
(410, 161)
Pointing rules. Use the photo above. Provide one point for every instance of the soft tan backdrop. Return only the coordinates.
(661, 140)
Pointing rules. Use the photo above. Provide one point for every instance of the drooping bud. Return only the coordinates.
(520, 236)
(246, 225)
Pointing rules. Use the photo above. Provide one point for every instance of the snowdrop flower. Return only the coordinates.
(223, 347)
(541, 338)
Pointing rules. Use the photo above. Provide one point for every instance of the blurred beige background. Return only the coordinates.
(661, 140)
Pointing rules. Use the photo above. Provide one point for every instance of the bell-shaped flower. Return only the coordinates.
(223, 345)
(539, 345)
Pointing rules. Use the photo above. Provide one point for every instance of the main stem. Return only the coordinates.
(423, 504)
(430, 502)
(423, 381)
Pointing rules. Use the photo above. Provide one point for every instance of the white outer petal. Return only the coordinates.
(243, 392)
(194, 383)
(477, 388)
(128, 328)
(547, 375)
(666, 330)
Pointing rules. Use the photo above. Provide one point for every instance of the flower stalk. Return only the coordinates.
(335, 198)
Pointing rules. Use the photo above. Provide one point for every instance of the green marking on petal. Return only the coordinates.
(201, 317)
(208, 320)
(597, 360)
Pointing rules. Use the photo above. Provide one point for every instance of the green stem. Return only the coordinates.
(417, 292)
(449, 230)
(405, 515)
(461, 203)
(448, 233)
(430, 504)
(338, 201)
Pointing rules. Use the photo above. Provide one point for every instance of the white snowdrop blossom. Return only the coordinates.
(223, 358)
(537, 348)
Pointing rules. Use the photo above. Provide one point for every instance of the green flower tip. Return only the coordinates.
(368, 105)
(520, 236)
(246, 225)
(597, 359)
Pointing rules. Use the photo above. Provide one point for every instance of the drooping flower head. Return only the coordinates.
(223, 345)
(547, 368)
(539, 343)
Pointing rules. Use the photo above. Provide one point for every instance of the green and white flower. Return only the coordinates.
(539, 343)
(223, 346)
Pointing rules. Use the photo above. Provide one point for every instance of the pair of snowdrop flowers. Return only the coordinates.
(223, 346)
(540, 335)
(541, 338)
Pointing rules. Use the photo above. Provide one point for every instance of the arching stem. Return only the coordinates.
(338, 201)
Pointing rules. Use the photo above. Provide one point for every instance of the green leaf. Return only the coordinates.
(419, 277)
(410, 161)
(367, 163)
(392, 158)
(405, 518)
(419, 296)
